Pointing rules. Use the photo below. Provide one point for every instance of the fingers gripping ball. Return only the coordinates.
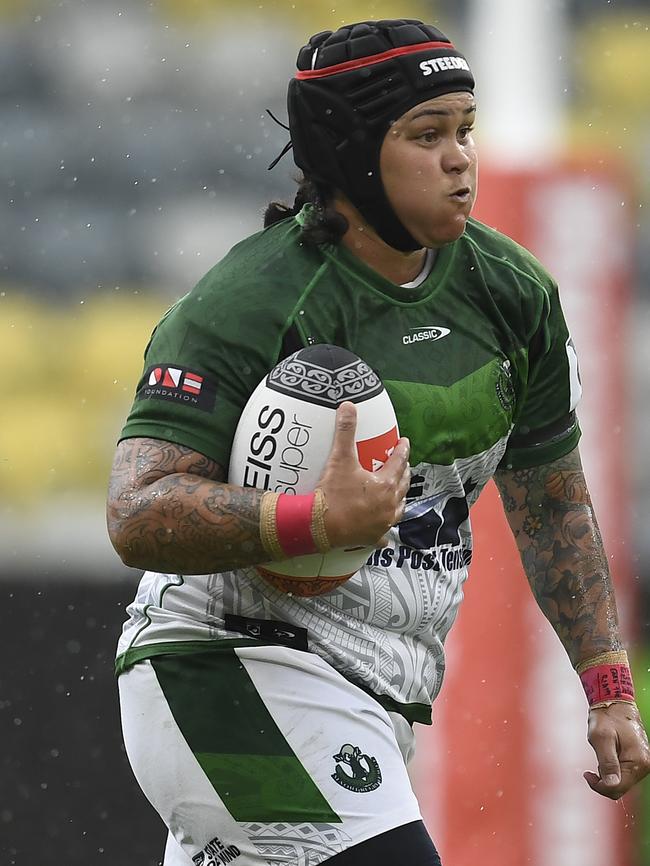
(284, 438)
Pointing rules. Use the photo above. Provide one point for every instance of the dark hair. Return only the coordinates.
(325, 225)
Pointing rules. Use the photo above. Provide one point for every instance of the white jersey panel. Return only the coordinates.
(383, 629)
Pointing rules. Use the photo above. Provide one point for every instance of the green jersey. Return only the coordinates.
(480, 367)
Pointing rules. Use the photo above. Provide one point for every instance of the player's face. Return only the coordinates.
(429, 168)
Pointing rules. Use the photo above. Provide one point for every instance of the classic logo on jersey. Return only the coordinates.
(178, 384)
(272, 630)
(216, 853)
(356, 771)
(373, 453)
(440, 64)
(424, 332)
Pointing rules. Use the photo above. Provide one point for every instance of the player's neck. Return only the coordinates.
(362, 240)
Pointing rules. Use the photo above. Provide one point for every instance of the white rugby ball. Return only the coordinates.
(285, 434)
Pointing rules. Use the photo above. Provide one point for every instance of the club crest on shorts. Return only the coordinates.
(356, 771)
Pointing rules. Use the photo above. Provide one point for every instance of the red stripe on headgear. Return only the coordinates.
(305, 74)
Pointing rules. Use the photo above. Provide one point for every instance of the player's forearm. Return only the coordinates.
(169, 510)
(190, 525)
(552, 518)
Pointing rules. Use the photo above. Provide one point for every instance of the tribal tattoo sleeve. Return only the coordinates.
(169, 510)
(551, 516)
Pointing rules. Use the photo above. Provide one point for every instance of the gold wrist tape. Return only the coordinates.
(604, 704)
(318, 531)
(611, 658)
(268, 526)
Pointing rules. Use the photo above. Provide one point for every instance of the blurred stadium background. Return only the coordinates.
(134, 146)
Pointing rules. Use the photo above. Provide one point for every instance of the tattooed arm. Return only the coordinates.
(169, 510)
(551, 516)
(550, 513)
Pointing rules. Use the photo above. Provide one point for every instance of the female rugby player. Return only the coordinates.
(269, 726)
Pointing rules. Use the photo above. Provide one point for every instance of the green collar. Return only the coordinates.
(345, 258)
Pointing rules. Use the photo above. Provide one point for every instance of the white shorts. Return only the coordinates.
(259, 755)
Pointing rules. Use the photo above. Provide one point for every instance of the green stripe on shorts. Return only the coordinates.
(236, 741)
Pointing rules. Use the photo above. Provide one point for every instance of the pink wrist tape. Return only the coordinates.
(607, 682)
(293, 517)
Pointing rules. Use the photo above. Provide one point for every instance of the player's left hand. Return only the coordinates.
(618, 738)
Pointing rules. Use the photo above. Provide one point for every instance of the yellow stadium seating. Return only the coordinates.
(69, 378)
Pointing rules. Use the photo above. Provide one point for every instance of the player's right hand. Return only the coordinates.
(361, 505)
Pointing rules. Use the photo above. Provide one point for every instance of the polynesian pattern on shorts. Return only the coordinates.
(299, 844)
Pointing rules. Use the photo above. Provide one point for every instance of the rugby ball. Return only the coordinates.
(283, 440)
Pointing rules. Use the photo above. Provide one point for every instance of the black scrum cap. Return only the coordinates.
(351, 84)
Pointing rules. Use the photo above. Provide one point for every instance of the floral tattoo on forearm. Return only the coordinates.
(550, 513)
